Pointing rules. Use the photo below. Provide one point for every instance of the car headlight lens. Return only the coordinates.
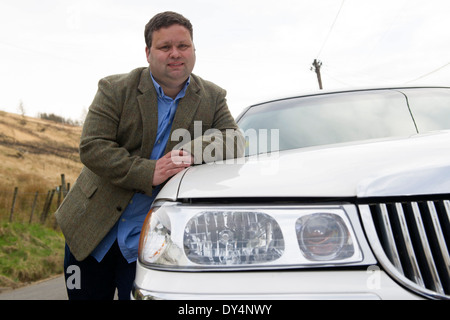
(157, 238)
(186, 237)
(156, 244)
(232, 238)
(324, 236)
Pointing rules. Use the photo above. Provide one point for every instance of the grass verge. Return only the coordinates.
(29, 252)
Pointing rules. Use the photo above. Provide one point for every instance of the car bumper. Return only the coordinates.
(370, 284)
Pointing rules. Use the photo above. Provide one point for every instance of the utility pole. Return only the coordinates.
(316, 67)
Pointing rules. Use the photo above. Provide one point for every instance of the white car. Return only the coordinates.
(342, 195)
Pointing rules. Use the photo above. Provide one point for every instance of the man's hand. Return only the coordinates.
(170, 164)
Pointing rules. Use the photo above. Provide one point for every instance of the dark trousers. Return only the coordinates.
(93, 280)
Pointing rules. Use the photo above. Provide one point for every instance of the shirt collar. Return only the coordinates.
(160, 90)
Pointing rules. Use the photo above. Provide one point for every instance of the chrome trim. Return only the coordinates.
(408, 243)
(411, 242)
(440, 235)
(142, 294)
(447, 209)
(389, 238)
(437, 285)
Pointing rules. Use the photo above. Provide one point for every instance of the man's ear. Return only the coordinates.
(147, 53)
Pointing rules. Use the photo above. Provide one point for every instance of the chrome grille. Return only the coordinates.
(411, 240)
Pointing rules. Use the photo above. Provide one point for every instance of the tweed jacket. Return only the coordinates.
(117, 139)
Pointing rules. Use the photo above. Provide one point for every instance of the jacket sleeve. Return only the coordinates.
(100, 150)
(223, 140)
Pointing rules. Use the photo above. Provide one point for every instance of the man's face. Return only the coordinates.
(171, 56)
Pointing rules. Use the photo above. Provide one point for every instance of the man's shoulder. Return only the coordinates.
(206, 85)
(131, 78)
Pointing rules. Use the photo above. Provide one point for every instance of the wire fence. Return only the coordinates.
(32, 207)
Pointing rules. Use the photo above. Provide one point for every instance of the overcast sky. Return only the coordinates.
(53, 52)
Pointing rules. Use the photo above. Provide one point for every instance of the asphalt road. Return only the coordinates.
(50, 289)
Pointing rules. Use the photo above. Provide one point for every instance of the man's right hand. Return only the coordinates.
(170, 164)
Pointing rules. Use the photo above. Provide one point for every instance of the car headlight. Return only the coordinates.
(232, 238)
(187, 237)
(324, 237)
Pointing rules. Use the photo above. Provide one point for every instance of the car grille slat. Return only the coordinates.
(442, 249)
(413, 236)
(424, 248)
(414, 269)
(388, 237)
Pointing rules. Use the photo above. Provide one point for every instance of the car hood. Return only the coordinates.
(414, 165)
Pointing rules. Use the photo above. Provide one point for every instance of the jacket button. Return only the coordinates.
(119, 208)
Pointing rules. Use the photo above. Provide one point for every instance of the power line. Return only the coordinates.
(327, 71)
(387, 31)
(317, 64)
(430, 73)
(331, 29)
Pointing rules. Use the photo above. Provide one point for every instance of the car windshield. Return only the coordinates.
(341, 117)
(430, 107)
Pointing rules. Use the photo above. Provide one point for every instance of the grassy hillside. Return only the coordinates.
(33, 155)
(37, 149)
(29, 252)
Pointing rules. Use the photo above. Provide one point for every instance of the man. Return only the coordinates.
(128, 153)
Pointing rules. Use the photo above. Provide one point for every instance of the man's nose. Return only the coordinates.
(175, 53)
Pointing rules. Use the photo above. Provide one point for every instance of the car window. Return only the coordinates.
(430, 108)
(327, 119)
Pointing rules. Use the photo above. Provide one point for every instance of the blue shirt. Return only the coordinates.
(128, 228)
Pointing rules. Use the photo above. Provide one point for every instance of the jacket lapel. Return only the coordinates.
(148, 105)
(186, 111)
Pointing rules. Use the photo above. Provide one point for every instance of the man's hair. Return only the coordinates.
(165, 20)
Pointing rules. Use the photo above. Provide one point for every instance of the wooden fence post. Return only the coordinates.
(60, 192)
(16, 189)
(49, 204)
(33, 206)
(63, 184)
(45, 207)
